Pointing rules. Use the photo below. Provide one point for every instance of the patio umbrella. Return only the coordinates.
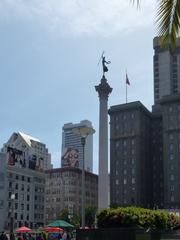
(53, 229)
(60, 223)
(23, 229)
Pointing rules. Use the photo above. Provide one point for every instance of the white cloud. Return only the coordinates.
(77, 17)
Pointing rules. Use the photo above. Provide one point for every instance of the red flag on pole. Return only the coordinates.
(127, 80)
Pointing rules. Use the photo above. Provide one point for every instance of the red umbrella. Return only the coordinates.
(23, 229)
(53, 229)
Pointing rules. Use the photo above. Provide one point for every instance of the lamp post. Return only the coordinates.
(83, 131)
(12, 217)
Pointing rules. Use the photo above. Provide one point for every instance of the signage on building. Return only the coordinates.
(70, 158)
(17, 157)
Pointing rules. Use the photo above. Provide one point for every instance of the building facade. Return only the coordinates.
(166, 70)
(28, 187)
(145, 146)
(72, 149)
(171, 150)
(144, 153)
(3, 191)
(63, 191)
(157, 164)
(130, 155)
(23, 160)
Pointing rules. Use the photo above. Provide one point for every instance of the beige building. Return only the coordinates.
(63, 191)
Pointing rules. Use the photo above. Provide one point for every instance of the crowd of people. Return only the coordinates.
(65, 235)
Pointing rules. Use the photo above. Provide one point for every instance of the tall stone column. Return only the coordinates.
(103, 90)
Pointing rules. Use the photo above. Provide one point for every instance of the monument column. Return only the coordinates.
(103, 90)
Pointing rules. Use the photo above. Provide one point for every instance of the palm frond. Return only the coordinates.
(137, 2)
(168, 21)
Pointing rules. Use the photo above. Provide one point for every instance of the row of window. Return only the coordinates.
(125, 161)
(124, 116)
(124, 152)
(171, 109)
(22, 196)
(124, 142)
(123, 129)
(156, 58)
(38, 207)
(156, 75)
(21, 216)
(19, 186)
(125, 171)
(39, 198)
(39, 189)
(171, 147)
(20, 177)
(125, 181)
(16, 206)
(171, 136)
(171, 157)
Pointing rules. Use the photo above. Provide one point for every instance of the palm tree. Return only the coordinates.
(167, 20)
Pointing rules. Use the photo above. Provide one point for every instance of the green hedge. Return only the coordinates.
(136, 217)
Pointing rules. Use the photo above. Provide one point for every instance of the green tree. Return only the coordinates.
(137, 217)
(90, 213)
(74, 218)
(64, 214)
(167, 20)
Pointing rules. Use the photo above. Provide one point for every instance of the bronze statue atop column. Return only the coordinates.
(104, 63)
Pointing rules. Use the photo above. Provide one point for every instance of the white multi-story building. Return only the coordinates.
(22, 181)
(72, 149)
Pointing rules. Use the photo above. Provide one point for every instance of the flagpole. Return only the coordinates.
(126, 92)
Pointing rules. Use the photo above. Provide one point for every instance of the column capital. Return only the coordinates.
(103, 88)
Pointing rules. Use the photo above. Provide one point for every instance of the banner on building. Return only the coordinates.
(15, 157)
(70, 158)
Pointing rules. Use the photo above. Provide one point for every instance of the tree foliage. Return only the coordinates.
(137, 217)
(167, 20)
(64, 214)
(90, 213)
(74, 218)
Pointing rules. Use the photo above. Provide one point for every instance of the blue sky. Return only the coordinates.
(49, 52)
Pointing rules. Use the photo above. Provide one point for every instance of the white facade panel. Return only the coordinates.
(164, 73)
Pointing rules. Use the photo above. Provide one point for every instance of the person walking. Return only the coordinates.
(64, 236)
(3, 236)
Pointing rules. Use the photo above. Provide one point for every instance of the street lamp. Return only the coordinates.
(12, 217)
(83, 131)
